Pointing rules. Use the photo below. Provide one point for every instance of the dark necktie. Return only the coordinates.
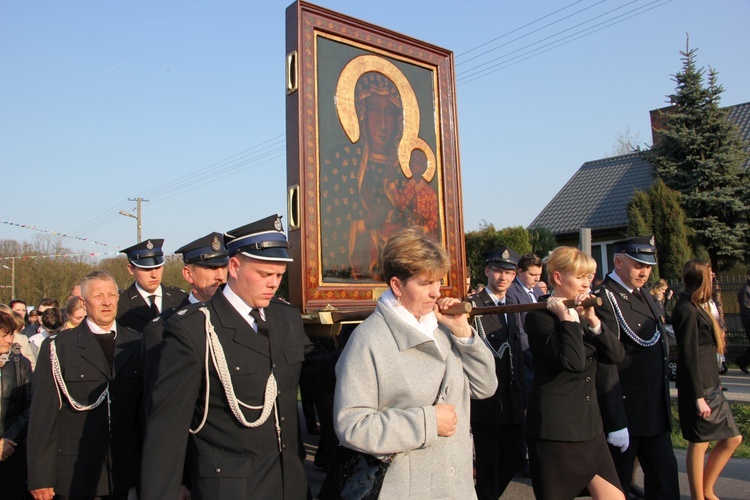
(260, 322)
(503, 317)
(154, 308)
(638, 295)
(107, 343)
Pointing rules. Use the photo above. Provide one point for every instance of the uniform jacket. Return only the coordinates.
(15, 396)
(73, 451)
(388, 378)
(134, 312)
(153, 333)
(635, 394)
(696, 348)
(507, 405)
(563, 404)
(226, 459)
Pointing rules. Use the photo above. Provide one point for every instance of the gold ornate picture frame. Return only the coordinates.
(372, 147)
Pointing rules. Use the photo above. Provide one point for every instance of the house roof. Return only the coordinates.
(597, 195)
(740, 115)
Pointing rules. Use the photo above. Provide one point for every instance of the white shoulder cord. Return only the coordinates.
(623, 325)
(216, 351)
(61, 386)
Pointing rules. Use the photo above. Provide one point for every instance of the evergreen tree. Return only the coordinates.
(639, 214)
(699, 153)
(542, 241)
(487, 238)
(670, 230)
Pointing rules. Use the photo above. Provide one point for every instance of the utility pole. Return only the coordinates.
(137, 217)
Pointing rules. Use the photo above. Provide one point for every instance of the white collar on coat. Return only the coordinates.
(426, 325)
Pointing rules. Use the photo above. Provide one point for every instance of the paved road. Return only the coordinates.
(734, 483)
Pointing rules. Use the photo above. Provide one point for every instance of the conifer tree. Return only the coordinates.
(699, 154)
(669, 227)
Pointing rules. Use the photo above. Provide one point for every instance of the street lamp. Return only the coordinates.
(13, 277)
(138, 221)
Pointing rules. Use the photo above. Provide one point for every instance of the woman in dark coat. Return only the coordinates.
(15, 401)
(567, 447)
(704, 411)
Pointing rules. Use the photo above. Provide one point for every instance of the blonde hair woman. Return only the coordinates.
(567, 447)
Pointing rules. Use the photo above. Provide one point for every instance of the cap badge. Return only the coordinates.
(216, 244)
(652, 242)
(277, 224)
(149, 245)
(506, 254)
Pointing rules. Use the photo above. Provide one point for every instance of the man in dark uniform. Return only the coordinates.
(205, 269)
(241, 407)
(634, 395)
(146, 298)
(85, 421)
(497, 422)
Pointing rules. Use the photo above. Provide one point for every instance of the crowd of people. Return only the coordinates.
(153, 393)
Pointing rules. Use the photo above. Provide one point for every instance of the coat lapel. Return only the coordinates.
(125, 346)
(408, 337)
(233, 326)
(90, 349)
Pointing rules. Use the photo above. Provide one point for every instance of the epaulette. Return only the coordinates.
(175, 288)
(279, 300)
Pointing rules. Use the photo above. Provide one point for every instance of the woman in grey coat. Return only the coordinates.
(406, 375)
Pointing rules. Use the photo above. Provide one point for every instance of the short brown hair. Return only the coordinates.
(7, 324)
(410, 253)
(528, 260)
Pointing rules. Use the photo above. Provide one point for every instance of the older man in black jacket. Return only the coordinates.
(84, 438)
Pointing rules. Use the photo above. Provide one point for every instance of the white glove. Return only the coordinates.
(619, 439)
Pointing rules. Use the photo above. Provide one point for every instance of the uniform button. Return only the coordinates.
(81, 375)
(588, 379)
(588, 398)
(278, 393)
(273, 365)
(283, 447)
(218, 470)
(591, 360)
(283, 419)
(236, 368)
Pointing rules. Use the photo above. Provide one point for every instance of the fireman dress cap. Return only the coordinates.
(146, 254)
(208, 251)
(263, 239)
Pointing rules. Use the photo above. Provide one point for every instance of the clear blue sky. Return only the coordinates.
(105, 101)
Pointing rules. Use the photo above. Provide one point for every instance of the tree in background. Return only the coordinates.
(700, 154)
(542, 241)
(658, 212)
(487, 238)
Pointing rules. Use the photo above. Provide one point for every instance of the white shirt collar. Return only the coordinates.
(96, 329)
(494, 297)
(427, 324)
(241, 306)
(619, 281)
(145, 294)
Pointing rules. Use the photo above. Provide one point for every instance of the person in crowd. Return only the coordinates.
(75, 311)
(705, 414)
(407, 373)
(523, 291)
(205, 268)
(567, 446)
(85, 428)
(634, 395)
(497, 422)
(51, 322)
(32, 323)
(541, 288)
(36, 326)
(19, 306)
(15, 400)
(743, 297)
(658, 292)
(146, 298)
(242, 416)
(18, 336)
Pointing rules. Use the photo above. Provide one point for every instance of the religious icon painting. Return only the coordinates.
(372, 148)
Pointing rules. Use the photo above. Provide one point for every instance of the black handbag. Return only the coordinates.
(354, 476)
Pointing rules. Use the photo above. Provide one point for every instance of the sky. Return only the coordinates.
(183, 103)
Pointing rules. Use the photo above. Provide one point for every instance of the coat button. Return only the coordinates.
(273, 365)
(283, 447)
(283, 419)
(81, 375)
(588, 379)
(218, 470)
(588, 398)
(451, 471)
(236, 368)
